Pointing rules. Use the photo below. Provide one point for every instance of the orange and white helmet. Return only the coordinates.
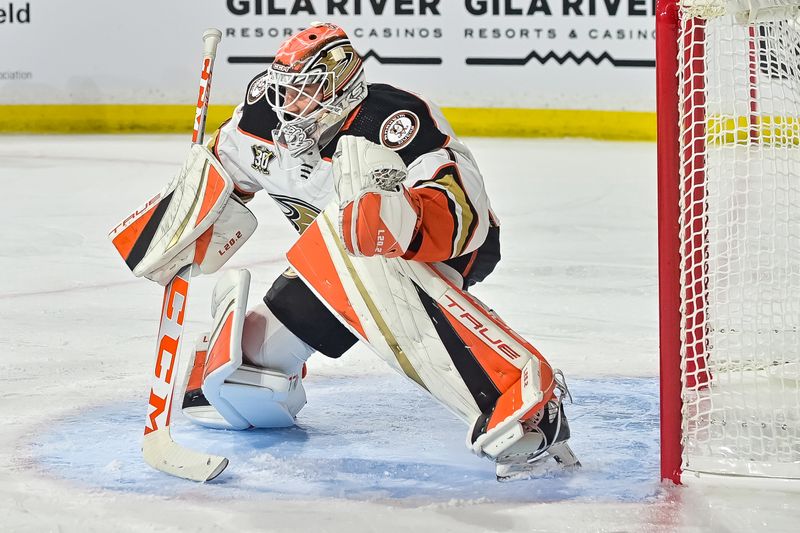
(314, 82)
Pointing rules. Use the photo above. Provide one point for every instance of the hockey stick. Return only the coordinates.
(158, 448)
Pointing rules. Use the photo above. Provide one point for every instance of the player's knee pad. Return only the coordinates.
(233, 395)
(267, 343)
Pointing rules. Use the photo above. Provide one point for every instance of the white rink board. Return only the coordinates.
(148, 52)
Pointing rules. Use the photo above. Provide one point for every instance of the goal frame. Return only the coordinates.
(683, 131)
(676, 103)
(669, 286)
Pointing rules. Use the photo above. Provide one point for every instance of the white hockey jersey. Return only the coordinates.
(456, 213)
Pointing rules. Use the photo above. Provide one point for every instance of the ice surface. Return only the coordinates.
(403, 447)
(578, 278)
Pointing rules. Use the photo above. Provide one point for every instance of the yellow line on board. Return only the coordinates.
(106, 118)
(479, 122)
(609, 125)
(767, 130)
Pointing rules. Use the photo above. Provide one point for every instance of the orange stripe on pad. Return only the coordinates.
(220, 353)
(310, 257)
(502, 373)
(511, 400)
(201, 245)
(494, 318)
(196, 377)
(125, 241)
(215, 185)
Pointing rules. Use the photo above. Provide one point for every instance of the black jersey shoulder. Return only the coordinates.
(397, 119)
(258, 118)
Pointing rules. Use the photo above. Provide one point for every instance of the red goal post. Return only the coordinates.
(728, 102)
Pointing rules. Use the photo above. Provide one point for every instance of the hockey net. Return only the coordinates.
(738, 171)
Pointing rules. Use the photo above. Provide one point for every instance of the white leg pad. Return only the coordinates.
(509, 431)
(498, 440)
(241, 396)
(229, 305)
(264, 398)
(273, 404)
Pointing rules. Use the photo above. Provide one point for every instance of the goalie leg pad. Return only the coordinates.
(501, 427)
(545, 435)
(222, 392)
(264, 398)
(229, 304)
(259, 396)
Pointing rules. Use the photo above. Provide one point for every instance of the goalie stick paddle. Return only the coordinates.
(158, 448)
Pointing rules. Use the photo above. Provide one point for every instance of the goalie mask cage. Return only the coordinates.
(728, 78)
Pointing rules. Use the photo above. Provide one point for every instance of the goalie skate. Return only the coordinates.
(546, 436)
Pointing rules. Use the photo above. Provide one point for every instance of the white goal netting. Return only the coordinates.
(739, 97)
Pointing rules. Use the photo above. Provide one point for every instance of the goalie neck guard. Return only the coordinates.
(315, 81)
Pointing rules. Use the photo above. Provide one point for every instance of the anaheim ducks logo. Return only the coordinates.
(399, 129)
(257, 89)
(342, 63)
(301, 214)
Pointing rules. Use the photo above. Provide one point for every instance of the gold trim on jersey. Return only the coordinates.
(461, 209)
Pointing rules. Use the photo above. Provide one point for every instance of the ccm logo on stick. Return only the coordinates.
(169, 339)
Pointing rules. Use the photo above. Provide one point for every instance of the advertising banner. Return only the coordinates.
(479, 54)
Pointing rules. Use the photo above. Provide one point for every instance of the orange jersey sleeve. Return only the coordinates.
(454, 208)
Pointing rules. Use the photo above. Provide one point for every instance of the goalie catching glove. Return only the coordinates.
(378, 215)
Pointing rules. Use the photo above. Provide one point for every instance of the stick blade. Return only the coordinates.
(162, 453)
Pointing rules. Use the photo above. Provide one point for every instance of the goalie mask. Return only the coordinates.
(315, 81)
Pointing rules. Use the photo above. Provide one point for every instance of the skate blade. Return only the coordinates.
(526, 471)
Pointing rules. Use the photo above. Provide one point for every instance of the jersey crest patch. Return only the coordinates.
(261, 158)
(301, 214)
(399, 129)
(257, 89)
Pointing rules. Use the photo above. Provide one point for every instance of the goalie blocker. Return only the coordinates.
(194, 219)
